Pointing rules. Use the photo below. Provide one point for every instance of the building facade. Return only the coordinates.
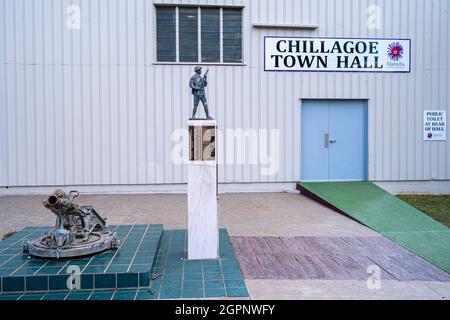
(94, 93)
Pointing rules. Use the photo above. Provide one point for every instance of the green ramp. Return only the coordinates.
(388, 215)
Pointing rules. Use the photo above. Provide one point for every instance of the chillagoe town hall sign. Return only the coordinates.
(337, 54)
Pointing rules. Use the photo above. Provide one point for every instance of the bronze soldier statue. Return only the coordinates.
(198, 84)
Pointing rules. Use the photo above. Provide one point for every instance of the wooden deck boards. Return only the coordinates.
(272, 268)
(329, 258)
(248, 261)
(293, 268)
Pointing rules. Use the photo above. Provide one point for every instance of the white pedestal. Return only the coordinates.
(203, 232)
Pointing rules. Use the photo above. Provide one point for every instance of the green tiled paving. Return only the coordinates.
(174, 277)
(388, 215)
(119, 294)
(128, 267)
(181, 278)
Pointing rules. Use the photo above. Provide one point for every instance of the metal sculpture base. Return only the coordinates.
(96, 243)
(201, 119)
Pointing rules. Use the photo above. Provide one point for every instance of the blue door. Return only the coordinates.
(334, 140)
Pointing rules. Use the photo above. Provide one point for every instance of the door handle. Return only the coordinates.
(333, 141)
(326, 140)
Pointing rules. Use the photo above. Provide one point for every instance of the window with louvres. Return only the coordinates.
(205, 34)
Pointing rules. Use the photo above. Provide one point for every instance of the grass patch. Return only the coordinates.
(437, 207)
(7, 235)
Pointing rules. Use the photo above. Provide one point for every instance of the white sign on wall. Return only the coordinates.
(337, 54)
(434, 125)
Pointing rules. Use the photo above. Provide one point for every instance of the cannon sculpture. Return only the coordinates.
(79, 230)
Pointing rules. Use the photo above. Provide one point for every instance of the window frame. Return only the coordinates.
(199, 23)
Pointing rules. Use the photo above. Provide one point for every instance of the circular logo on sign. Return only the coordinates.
(430, 135)
(395, 51)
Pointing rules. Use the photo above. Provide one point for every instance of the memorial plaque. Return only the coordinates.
(202, 143)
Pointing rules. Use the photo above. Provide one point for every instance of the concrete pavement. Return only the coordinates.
(255, 214)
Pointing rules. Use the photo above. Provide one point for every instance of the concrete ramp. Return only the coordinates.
(386, 214)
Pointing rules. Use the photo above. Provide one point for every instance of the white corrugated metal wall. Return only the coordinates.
(90, 107)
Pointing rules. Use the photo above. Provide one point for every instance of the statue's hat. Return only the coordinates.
(197, 69)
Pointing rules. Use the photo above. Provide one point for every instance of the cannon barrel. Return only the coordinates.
(60, 202)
